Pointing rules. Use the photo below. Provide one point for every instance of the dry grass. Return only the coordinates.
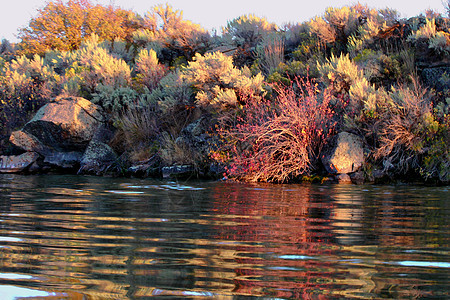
(404, 128)
(174, 152)
(138, 129)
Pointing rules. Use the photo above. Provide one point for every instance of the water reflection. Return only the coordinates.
(77, 237)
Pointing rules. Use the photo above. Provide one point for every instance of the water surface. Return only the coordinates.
(73, 237)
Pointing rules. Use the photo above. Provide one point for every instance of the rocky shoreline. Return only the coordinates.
(70, 135)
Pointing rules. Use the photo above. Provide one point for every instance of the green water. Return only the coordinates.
(71, 237)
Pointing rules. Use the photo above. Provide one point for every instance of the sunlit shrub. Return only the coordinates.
(218, 83)
(356, 23)
(437, 40)
(340, 73)
(165, 31)
(64, 25)
(407, 129)
(280, 140)
(149, 70)
(25, 85)
(92, 65)
(425, 32)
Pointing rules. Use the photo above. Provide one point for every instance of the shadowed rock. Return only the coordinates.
(17, 163)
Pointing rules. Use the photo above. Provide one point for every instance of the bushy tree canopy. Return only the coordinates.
(65, 25)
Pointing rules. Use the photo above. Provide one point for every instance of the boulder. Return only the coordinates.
(67, 124)
(64, 160)
(60, 131)
(27, 142)
(17, 163)
(357, 177)
(183, 171)
(344, 154)
(97, 158)
(343, 179)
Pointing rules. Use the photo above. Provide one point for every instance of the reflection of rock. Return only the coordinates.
(344, 155)
(17, 163)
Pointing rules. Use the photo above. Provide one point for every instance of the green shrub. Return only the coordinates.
(245, 33)
(114, 99)
(218, 84)
(270, 53)
(338, 26)
(92, 65)
(248, 29)
(175, 100)
(138, 129)
(379, 69)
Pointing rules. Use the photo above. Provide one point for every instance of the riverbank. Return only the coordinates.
(367, 101)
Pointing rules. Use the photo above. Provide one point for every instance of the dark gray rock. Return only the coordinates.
(196, 137)
(438, 78)
(97, 158)
(178, 171)
(63, 160)
(357, 177)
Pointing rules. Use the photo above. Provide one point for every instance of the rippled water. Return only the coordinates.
(69, 237)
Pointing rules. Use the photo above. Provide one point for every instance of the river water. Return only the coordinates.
(73, 237)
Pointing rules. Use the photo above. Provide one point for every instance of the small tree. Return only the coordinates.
(64, 26)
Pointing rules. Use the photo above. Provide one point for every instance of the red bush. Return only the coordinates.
(279, 140)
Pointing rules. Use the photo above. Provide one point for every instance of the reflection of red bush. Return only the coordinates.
(279, 246)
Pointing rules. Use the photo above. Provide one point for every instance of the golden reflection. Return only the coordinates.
(292, 241)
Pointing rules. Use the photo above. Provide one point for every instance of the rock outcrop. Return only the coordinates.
(60, 131)
(99, 156)
(17, 163)
(345, 154)
(67, 124)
